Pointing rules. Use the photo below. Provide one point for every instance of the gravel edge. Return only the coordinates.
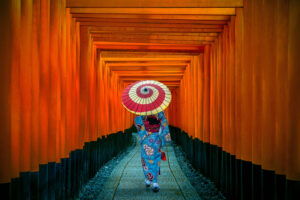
(96, 184)
(205, 188)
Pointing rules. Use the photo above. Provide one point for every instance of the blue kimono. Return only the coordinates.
(152, 138)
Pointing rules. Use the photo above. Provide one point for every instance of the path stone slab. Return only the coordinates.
(127, 180)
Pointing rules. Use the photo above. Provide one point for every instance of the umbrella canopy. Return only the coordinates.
(146, 97)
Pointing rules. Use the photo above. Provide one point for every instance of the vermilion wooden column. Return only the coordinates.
(7, 22)
(35, 138)
(206, 94)
(293, 169)
(239, 56)
(15, 104)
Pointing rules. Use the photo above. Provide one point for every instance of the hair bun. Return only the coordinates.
(153, 120)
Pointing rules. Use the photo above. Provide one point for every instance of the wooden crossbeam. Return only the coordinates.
(160, 34)
(116, 58)
(171, 87)
(172, 84)
(147, 47)
(149, 73)
(145, 58)
(151, 16)
(151, 25)
(149, 21)
(157, 29)
(161, 11)
(146, 55)
(149, 68)
(166, 82)
(153, 36)
(161, 78)
(146, 40)
(149, 63)
(162, 71)
(160, 3)
(183, 58)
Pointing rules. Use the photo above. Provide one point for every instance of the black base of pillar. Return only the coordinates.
(268, 184)
(34, 186)
(292, 190)
(280, 187)
(5, 190)
(246, 183)
(256, 182)
(25, 185)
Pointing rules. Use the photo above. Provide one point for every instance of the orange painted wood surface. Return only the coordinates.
(232, 70)
(155, 4)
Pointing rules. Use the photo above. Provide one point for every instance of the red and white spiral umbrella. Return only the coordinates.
(146, 97)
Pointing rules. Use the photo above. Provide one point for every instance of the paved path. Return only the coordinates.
(127, 180)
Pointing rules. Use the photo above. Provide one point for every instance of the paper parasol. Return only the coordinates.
(146, 97)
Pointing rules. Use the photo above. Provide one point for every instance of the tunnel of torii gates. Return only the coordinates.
(232, 67)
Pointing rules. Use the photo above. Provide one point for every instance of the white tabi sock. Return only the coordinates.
(155, 185)
(147, 182)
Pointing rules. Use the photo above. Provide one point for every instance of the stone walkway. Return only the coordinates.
(127, 180)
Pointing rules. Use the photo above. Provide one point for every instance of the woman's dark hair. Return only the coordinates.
(153, 120)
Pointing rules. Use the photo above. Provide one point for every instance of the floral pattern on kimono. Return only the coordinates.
(151, 144)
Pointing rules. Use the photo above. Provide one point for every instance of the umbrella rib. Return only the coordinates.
(152, 97)
(132, 101)
(156, 104)
(146, 105)
(159, 105)
(138, 103)
(143, 101)
(163, 100)
(125, 101)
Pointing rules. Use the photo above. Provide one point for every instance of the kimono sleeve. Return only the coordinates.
(142, 133)
(164, 131)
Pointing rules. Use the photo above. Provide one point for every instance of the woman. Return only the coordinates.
(153, 133)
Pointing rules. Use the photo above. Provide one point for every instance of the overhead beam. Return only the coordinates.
(154, 36)
(145, 55)
(162, 71)
(149, 75)
(183, 58)
(149, 63)
(170, 86)
(146, 58)
(162, 78)
(150, 25)
(144, 48)
(148, 47)
(151, 16)
(146, 73)
(161, 11)
(148, 68)
(155, 4)
(155, 21)
(146, 40)
(158, 33)
(155, 29)
(167, 83)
